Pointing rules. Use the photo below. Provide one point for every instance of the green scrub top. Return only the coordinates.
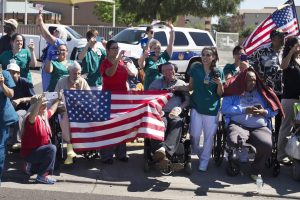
(91, 66)
(204, 97)
(230, 69)
(59, 71)
(151, 68)
(22, 58)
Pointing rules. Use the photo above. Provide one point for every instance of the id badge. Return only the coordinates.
(206, 80)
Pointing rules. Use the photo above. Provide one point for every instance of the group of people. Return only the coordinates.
(251, 91)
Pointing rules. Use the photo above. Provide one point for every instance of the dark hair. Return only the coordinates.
(110, 43)
(289, 44)
(149, 28)
(14, 36)
(215, 53)
(90, 34)
(159, 67)
(237, 48)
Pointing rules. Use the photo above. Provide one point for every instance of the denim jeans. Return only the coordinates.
(4, 135)
(42, 159)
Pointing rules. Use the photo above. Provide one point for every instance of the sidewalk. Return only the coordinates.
(129, 179)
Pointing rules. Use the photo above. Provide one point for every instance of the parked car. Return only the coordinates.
(187, 49)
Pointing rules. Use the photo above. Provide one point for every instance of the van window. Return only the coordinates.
(201, 39)
(161, 37)
(74, 33)
(180, 39)
(129, 36)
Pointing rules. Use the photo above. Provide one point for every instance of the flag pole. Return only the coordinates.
(294, 8)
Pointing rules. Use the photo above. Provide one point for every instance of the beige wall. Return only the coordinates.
(84, 13)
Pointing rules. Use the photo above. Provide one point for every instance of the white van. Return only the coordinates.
(187, 49)
(74, 39)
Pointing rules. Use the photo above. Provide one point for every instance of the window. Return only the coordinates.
(129, 36)
(180, 39)
(201, 39)
(161, 37)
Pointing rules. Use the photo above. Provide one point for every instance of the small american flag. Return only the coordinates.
(100, 119)
(284, 18)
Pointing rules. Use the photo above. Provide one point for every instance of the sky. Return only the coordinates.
(258, 4)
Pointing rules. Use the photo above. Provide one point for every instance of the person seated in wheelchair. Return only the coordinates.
(171, 114)
(73, 81)
(248, 107)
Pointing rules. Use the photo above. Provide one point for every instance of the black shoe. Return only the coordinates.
(108, 161)
(286, 161)
(124, 159)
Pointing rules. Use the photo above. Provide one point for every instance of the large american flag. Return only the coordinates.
(284, 18)
(100, 119)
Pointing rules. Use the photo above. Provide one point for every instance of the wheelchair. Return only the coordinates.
(181, 159)
(220, 149)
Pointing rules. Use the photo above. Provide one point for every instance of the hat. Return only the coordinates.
(13, 22)
(278, 31)
(13, 66)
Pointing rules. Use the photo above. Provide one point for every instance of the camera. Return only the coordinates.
(215, 73)
(51, 95)
(152, 53)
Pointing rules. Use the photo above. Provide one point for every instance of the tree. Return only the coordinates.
(224, 24)
(169, 9)
(103, 11)
(244, 33)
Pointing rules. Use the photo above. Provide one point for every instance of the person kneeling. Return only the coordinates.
(171, 118)
(36, 148)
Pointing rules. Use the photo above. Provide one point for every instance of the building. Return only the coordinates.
(194, 22)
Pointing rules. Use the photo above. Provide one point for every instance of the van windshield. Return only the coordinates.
(74, 33)
(129, 36)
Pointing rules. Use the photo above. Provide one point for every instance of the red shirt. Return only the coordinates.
(118, 80)
(35, 135)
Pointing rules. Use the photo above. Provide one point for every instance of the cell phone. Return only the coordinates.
(40, 7)
(152, 53)
(30, 41)
(51, 95)
(243, 57)
(99, 39)
(127, 53)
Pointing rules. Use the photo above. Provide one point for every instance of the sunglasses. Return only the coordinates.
(206, 55)
(114, 48)
(151, 32)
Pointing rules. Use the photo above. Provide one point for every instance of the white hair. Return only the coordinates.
(73, 66)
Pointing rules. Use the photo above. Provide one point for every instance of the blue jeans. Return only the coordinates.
(45, 79)
(42, 159)
(4, 135)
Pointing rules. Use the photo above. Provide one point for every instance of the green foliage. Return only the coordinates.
(224, 24)
(104, 12)
(246, 31)
(169, 9)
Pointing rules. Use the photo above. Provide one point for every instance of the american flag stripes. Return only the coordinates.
(132, 114)
(284, 18)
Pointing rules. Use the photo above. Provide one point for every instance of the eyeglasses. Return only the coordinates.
(114, 48)
(206, 55)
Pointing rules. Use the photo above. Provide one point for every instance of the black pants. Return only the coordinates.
(278, 119)
(172, 135)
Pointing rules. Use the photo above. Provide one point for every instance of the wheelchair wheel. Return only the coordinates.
(296, 170)
(146, 166)
(188, 168)
(233, 168)
(276, 168)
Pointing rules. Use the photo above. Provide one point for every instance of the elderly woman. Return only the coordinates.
(150, 60)
(72, 82)
(36, 147)
(25, 58)
(291, 92)
(115, 74)
(8, 115)
(59, 67)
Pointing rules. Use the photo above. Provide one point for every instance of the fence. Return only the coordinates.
(104, 31)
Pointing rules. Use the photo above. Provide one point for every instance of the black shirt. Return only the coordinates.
(291, 81)
(5, 43)
(23, 89)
